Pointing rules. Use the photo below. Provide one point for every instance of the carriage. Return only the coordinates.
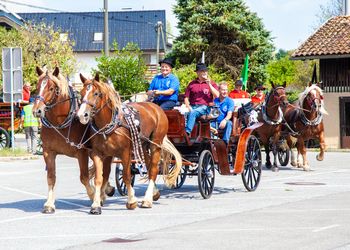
(5, 122)
(204, 154)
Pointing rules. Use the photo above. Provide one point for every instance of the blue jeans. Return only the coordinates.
(227, 130)
(197, 111)
(166, 105)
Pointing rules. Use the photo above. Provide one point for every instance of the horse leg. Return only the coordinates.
(156, 193)
(126, 161)
(267, 152)
(96, 205)
(293, 161)
(274, 151)
(320, 156)
(83, 160)
(302, 151)
(152, 175)
(106, 171)
(49, 206)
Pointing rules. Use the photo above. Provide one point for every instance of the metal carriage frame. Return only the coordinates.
(204, 154)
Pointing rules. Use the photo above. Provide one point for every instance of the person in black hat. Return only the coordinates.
(164, 88)
(199, 94)
(259, 97)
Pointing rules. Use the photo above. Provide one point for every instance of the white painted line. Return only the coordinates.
(325, 228)
(122, 235)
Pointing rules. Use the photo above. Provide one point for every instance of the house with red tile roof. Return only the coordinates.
(330, 44)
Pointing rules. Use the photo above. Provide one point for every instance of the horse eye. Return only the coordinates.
(88, 87)
(95, 94)
(51, 89)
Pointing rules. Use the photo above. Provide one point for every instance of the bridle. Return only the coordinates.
(278, 99)
(93, 104)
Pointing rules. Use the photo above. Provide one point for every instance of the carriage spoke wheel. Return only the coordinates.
(252, 167)
(39, 148)
(283, 156)
(180, 180)
(4, 138)
(206, 174)
(123, 191)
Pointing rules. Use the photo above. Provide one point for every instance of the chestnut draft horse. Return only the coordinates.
(271, 116)
(56, 105)
(102, 107)
(305, 121)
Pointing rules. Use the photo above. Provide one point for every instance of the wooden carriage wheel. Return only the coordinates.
(206, 174)
(119, 178)
(252, 167)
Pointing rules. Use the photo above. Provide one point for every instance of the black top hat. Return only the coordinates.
(259, 86)
(201, 66)
(239, 83)
(169, 61)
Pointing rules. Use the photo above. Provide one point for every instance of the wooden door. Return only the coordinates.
(344, 103)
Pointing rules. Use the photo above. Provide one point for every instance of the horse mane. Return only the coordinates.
(303, 95)
(110, 94)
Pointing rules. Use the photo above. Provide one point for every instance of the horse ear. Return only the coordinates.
(97, 77)
(273, 85)
(39, 71)
(56, 71)
(284, 84)
(82, 78)
(310, 83)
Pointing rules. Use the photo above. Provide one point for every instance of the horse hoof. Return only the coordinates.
(156, 196)
(275, 169)
(110, 191)
(307, 169)
(293, 163)
(146, 204)
(95, 210)
(131, 206)
(48, 210)
(319, 158)
(268, 165)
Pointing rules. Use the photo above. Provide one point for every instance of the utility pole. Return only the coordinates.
(159, 24)
(106, 34)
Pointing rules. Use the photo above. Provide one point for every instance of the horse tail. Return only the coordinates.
(170, 174)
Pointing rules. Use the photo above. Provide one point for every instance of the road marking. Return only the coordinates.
(325, 228)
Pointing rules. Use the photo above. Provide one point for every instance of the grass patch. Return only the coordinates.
(6, 152)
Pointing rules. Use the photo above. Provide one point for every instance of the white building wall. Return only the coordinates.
(86, 62)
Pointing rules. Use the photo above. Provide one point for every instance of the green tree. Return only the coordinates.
(125, 68)
(295, 73)
(40, 44)
(226, 31)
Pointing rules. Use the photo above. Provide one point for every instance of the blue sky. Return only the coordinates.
(290, 21)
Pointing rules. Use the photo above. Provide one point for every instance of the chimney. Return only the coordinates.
(347, 7)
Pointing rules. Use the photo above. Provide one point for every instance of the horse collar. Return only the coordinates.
(270, 121)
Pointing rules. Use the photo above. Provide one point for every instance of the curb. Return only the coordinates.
(16, 158)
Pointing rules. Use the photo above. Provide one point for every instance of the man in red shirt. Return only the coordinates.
(238, 92)
(26, 92)
(259, 97)
(198, 95)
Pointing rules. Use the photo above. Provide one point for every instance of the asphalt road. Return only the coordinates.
(291, 209)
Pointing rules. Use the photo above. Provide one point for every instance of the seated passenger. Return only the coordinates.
(226, 107)
(238, 92)
(164, 88)
(257, 101)
(198, 95)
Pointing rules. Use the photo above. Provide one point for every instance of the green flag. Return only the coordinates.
(244, 74)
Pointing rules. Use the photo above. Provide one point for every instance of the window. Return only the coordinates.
(98, 37)
(63, 37)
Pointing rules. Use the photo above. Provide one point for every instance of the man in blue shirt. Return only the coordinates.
(164, 87)
(226, 107)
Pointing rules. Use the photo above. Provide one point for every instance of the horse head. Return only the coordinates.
(278, 95)
(50, 86)
(96, 96)
(312, 99)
